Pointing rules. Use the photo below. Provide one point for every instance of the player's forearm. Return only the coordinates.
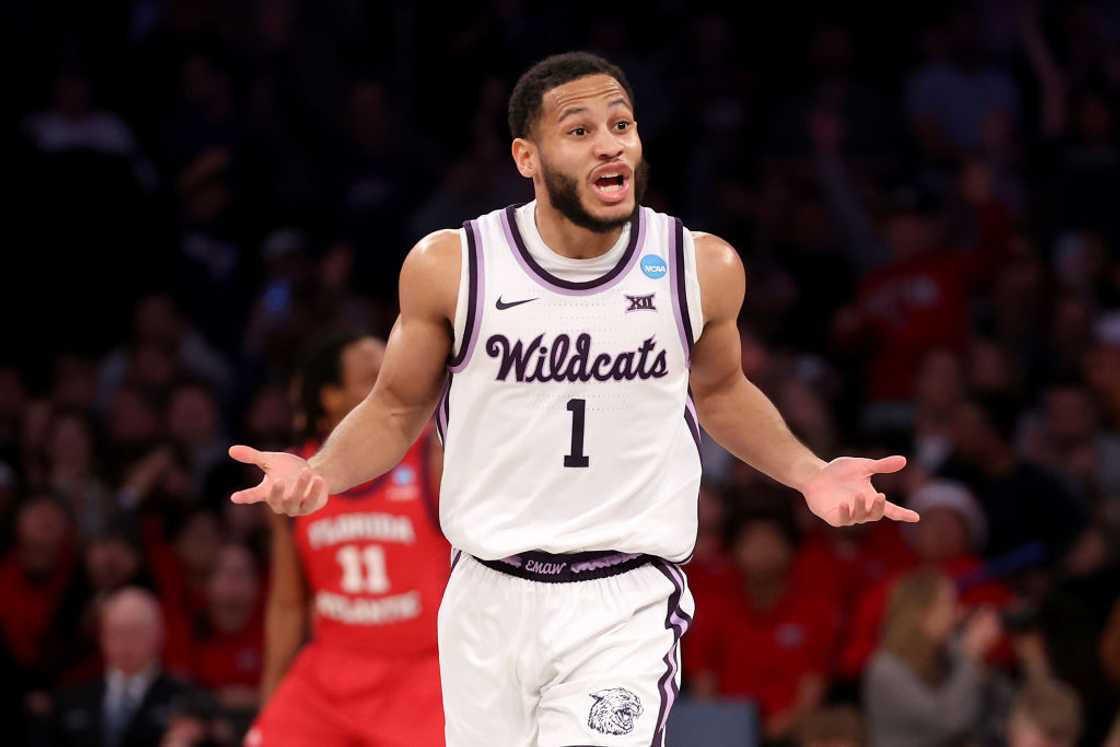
(370, 441)
(283, 637)
(745, 422)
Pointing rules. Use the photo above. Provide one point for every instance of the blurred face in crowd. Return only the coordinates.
(943, 613)
(941, 535)
(132, 419)
(1070, 415)
(40, 535)
(762, 551)
(359, 366)
(584, 154)
(131, 631)
(111, 562)
(232, 590)
(940, 383)
(151, 367)
(910, 234)
(269, 417)
(198, 543)
(193, 416)
(973, 436)
(71, 445)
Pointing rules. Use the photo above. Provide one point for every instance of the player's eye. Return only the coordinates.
(578, 131)
(622, 125)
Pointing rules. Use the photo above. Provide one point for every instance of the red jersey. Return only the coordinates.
(376, 561)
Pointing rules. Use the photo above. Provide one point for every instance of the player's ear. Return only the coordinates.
(525, 157)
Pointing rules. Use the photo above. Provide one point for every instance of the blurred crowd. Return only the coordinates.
(926, 203)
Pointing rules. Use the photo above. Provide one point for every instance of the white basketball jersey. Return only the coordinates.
(566, 417)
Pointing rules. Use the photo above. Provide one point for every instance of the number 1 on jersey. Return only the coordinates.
(577, 457)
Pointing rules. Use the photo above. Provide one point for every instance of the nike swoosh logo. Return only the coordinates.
(503, 305)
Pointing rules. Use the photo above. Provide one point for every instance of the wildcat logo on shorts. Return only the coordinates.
(614, 711)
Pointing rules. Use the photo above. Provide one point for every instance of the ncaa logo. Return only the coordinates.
(653, 266)
(404, 475)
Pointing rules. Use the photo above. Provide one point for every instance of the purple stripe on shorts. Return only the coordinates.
(678, 621)
(567, 287)
(676, 278)
(476, 277)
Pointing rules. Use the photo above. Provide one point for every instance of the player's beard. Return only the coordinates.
(563, 193)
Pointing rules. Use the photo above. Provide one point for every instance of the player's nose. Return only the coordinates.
(607, 146)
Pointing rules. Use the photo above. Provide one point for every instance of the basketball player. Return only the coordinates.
(370, 567)
(573, 346)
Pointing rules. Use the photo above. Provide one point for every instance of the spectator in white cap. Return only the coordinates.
(952, 525)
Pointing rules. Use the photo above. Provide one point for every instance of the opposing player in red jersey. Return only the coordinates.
(370, 569)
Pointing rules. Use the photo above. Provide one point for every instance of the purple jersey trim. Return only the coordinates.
(443, 409)
(476, 277)
(680, 296)
(568, 287)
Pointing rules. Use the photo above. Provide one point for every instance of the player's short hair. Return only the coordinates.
(321, 366)
(534, 83)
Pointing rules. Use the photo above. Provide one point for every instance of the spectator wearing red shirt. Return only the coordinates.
(918, 301)
(949, 537)
(227, 647)
(37, 581)
(766, 639)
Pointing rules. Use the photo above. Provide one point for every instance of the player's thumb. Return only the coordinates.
(247, 455)
(888, 464)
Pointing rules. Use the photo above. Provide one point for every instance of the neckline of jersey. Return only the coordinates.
(561, 284)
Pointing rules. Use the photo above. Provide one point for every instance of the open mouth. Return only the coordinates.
(612, 186)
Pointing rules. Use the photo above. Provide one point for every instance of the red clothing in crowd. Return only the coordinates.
(864, 633)
(913, 306)
(843, 569)
(762, 655)
(228, 659)
(28, 607)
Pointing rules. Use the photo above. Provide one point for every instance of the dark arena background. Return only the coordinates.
(927, 201)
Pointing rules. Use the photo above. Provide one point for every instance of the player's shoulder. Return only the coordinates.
(439, 246)
(716, 257)
(434, 256)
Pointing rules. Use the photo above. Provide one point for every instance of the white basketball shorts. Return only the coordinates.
(579, 650)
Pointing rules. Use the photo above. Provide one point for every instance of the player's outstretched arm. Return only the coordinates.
(374, 436)
(745, 422)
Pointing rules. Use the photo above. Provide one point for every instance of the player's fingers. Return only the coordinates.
(887, 464)
(247, 455)
(300, 490)
(898, 513)
(843, 515)
(860, 508)
(255, 494)
(276, 496)
(318, 489)
(878, 506)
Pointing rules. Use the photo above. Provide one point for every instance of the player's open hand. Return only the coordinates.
(842, 493)
(290, 486)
